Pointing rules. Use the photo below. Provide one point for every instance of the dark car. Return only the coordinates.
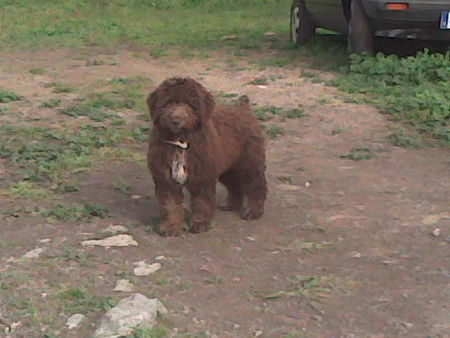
(362, 20)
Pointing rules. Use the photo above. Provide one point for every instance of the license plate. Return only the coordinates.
(445, 20)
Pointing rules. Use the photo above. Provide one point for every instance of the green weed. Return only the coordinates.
(157, 331)
(274, 131)
(75, 213)
(123, 186)
(37, 71)
(79, 300)
(412, 89)
(359, 154)
(311, 288)
(60, 87)
(7, 96)
(52, 103)
(26, 189)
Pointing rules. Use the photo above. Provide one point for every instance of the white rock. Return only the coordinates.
(436, 232)
(134, 311)
(114, 229)
(118, 240)
(124, 285)
(35, 253)
(288, 187)
(144, 269)
(355, 254)
(307, 184)
(160, 258)
(74, 320)
(44, 240)
(251, 238)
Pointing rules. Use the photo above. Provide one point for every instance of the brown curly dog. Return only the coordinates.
(193, 144)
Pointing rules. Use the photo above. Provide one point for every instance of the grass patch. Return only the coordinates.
(52, 103)
(79, 300)
(26, 23)
(412, 89)
(274, 131)
(74, 213)
(26, 189)
(311, 289)
(157, 331)
(7, 96)
(59, 87)
(359, 154)
(46, 154)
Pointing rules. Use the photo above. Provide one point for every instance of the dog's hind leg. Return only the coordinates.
(203, 203)
(171, 210)
(234, 199)
(252, 180)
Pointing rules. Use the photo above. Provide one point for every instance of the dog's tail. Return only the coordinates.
(243, 101)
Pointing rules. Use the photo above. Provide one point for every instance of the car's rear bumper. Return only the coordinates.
(420, 21)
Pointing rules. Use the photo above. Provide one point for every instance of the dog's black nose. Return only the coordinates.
(176, 123)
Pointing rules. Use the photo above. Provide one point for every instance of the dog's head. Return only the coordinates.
(180, 105)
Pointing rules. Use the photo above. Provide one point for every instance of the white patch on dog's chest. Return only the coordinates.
(179, 162)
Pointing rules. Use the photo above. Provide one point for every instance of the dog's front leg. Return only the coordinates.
(203, 203)
(171, 210)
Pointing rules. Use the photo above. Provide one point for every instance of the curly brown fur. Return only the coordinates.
(225, 143)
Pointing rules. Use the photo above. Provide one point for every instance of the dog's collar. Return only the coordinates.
(179, 144)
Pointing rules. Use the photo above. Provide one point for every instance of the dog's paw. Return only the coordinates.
(226, 207)
(170, 229)
(248, 213)
(198, 227)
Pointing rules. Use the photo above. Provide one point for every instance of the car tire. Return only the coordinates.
(302, 24)
(360, 35)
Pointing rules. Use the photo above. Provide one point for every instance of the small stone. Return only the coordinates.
(119, 240)
(257, 333)
(124, 285)
(35, 253)
(144, 269)
(436, 232)
(228, 37)
(74, 320)
(251, 238)
(114, 229)
(355, 254)
(360, 207)
(317, 318)
(407, 325)
(133, 311)
(44, 241)
(236, 326)
(288, 187)
(136, 197)
(270, 34)
(307, 184)
(160, 258)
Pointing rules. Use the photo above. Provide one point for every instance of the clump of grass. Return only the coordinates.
(274, 131)
(7, 96)
(310, 288)
(37, 71)
(52, 103)
(60, 87)
(267, 113)
(73, 213)
(80, 300)
(412, 89)
(406, 139)
(359, 154)
(26, 189)
(44, 154)
(123, 186)
(157, 331)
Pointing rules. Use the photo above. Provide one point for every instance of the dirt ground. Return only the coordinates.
(345, 248)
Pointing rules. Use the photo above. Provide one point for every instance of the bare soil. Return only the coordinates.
(345, 248)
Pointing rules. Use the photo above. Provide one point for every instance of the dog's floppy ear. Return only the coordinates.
(151, 104)
(201, 100)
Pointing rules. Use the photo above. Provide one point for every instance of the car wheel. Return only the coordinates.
(360, 34)
(302, 25)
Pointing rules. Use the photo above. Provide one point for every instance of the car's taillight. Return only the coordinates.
(397, 6)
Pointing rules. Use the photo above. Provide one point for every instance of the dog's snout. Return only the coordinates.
(177, 123)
